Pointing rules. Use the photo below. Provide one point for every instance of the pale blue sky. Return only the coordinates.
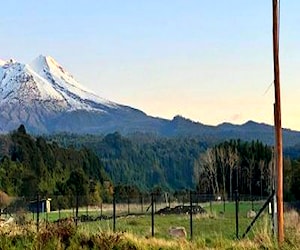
(210, 61)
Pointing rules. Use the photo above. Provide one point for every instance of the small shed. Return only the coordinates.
(44, 206)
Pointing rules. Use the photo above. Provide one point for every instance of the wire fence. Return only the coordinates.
(196, 213)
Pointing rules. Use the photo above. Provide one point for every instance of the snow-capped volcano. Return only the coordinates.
(44, 97)
(45, 80)
(65, 84)
(42, 94)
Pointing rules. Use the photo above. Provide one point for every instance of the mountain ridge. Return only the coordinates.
(40, 93)
(46, 98)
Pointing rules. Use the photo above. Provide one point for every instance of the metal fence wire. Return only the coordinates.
(195, 211)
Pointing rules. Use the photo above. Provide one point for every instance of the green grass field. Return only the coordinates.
(215, 224)
(214, 230)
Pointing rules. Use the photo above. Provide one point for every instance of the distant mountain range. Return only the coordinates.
(47, 99)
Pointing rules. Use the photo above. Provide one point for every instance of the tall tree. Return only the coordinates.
(207, 167)
(251, 165)
(222, 157)
(233, 159)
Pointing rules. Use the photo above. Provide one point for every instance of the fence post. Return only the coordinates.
(87, 200)
(210, 203)
(152, 214)
(59, 215)
(47, 217)
(114, 212)
(76, 211)
(37, 212)
(273, 202)
(191, 215)
(128, 205)
(237, 213)
(142, 204)
(259, 213)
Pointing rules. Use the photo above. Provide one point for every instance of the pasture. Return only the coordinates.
(215, 229)
(214, 224)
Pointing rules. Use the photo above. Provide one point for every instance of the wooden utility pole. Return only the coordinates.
(278, 130)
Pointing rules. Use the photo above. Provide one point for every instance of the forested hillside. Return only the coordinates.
(141, 160)
(246, 166)
(67, 164)
(31, 165)
(147, 162)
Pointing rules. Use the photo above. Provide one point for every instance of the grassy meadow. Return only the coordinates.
(214, 224)
(214, 230)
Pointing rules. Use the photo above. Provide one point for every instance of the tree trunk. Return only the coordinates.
(230, 179)
(224, 190)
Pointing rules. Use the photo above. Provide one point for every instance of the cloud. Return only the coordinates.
(236, 117)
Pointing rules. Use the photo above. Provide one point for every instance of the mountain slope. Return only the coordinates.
(248, 131)
(46, 98)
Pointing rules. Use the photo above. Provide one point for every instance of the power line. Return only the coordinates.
(268, 88)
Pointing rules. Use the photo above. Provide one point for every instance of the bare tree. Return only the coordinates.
(206, 166)
(251, 164)
(223, 161)
(261, 165)
(232, 160)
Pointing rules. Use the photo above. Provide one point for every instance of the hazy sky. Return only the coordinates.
(210, 61)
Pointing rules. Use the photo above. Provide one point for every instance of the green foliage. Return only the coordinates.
(292, 180)
(145, 161)
(32, 165)
(231, 165)
(140, 160)
(126, 191)
(77, 182)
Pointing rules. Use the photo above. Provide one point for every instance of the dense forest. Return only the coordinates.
(141, 160)
(247, 167)
(236, 165)
(31, 165)
(146, 162)
(68, 164)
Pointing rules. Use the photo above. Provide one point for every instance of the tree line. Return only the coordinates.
(145, 162)
(95, 166)
(235, 165)
(32, 165)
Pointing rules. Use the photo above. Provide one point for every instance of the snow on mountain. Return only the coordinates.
(4, 65)
(16, 81)
(46, 80)
(2, 62)
(10, 61)
(65, 83)
(44, 97)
